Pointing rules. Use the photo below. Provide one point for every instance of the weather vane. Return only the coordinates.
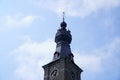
(63, 16)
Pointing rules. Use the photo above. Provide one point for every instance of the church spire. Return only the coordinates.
(63, 39)
(63, 24)
(62, 67)
(63, 16)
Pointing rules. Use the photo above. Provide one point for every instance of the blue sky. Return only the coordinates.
(28, 27)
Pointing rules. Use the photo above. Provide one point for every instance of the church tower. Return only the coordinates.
(62, 66)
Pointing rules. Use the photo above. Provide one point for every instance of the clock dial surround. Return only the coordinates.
(54, 73)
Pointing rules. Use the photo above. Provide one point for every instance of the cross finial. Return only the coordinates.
(63, 24)
(63, 16)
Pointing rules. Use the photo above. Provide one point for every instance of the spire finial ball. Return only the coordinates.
(63, 24)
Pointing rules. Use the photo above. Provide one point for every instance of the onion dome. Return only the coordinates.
(63, 24)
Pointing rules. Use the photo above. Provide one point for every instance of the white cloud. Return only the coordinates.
(80, 8)
(31, 56)
(101, 60)
(19, 21)
(90, 63)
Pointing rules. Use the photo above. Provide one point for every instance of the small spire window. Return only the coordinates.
(56, 55)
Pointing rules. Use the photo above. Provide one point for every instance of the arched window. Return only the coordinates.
(56, 55)
(71, 56)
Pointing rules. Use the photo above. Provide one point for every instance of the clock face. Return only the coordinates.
(54, 73)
